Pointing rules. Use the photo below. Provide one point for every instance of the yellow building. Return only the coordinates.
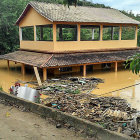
(62, 39)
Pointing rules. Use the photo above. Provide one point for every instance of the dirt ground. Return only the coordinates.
(17, 125)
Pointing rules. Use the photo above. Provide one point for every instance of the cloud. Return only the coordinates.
(127, 5)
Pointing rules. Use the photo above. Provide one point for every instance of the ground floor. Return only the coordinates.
(56, 64)
(17, 125)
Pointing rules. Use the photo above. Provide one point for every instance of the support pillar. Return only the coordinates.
(8, 64)
(120, 33)
(78, 33)
(116, 66)
(44, 74)
(54, 34)
(20, 33)
(101, 32)
(136, 33)
(37, 76)
(84, 71)
(23, 69)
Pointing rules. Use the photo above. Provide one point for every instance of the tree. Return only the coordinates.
(134, 63)
(70, 2)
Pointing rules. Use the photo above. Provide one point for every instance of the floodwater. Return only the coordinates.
(9, 77)
(123, 83)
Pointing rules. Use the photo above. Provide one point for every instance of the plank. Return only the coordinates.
(37, 76)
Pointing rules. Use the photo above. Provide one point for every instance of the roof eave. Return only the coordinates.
(23, 14)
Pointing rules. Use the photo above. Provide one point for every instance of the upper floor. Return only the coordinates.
(55, 28)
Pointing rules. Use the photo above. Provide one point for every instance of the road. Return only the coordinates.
(17, 125)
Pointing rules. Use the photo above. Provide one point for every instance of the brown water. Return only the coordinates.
(9, 77)
(113, 81)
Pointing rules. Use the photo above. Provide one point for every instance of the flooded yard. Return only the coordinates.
(115, 83)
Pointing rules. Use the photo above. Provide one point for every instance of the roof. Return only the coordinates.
(54, 60)
(61, 13)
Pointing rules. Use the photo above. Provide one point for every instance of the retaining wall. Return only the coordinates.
(88, 127)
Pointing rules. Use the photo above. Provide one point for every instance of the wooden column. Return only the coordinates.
(78, 33)
(84, 71)
(20, 33)
(54, 32)
(8, 64)
(116, 66)
(44, 74)
(101, 32)
(136, 33)
(23, 69)
(120, 33)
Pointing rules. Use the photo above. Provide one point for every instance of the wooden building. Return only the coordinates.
(62, 39)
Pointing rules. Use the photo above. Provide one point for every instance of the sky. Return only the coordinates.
(126, 5)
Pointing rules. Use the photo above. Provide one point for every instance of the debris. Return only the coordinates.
(58, 126)
(28, 93)
(25, 92)
(119, 129)
(72, 85)
(8, 114)
(70, 96)
(129, 132)
(116, 113)
(74, 79)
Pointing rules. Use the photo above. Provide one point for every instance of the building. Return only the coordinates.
(59, 39)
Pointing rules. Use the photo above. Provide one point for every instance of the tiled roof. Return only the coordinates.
(29, 58)
(58, 12)
(54, 60)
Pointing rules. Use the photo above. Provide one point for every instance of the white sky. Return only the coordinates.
(126, 5)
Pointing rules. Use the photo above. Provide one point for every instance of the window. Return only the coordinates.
(111, 33)
(90, 32)
(65, 69)
(66, 32)
(128, 32)
(28, 33)
(44, 33)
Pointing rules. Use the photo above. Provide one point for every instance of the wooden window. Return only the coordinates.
(111, 32)
(90, 32)
(128, 32)
(44, 33)
(66, 32)
(28, 33)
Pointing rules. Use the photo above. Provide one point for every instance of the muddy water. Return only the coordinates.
(113, 82)
(119, 84)
(9, 77)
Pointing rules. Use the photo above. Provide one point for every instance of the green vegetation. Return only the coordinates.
(128, 33)
(28, 33)
(134, 63)
(44, 33)
(1, 89)
(10, 10)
